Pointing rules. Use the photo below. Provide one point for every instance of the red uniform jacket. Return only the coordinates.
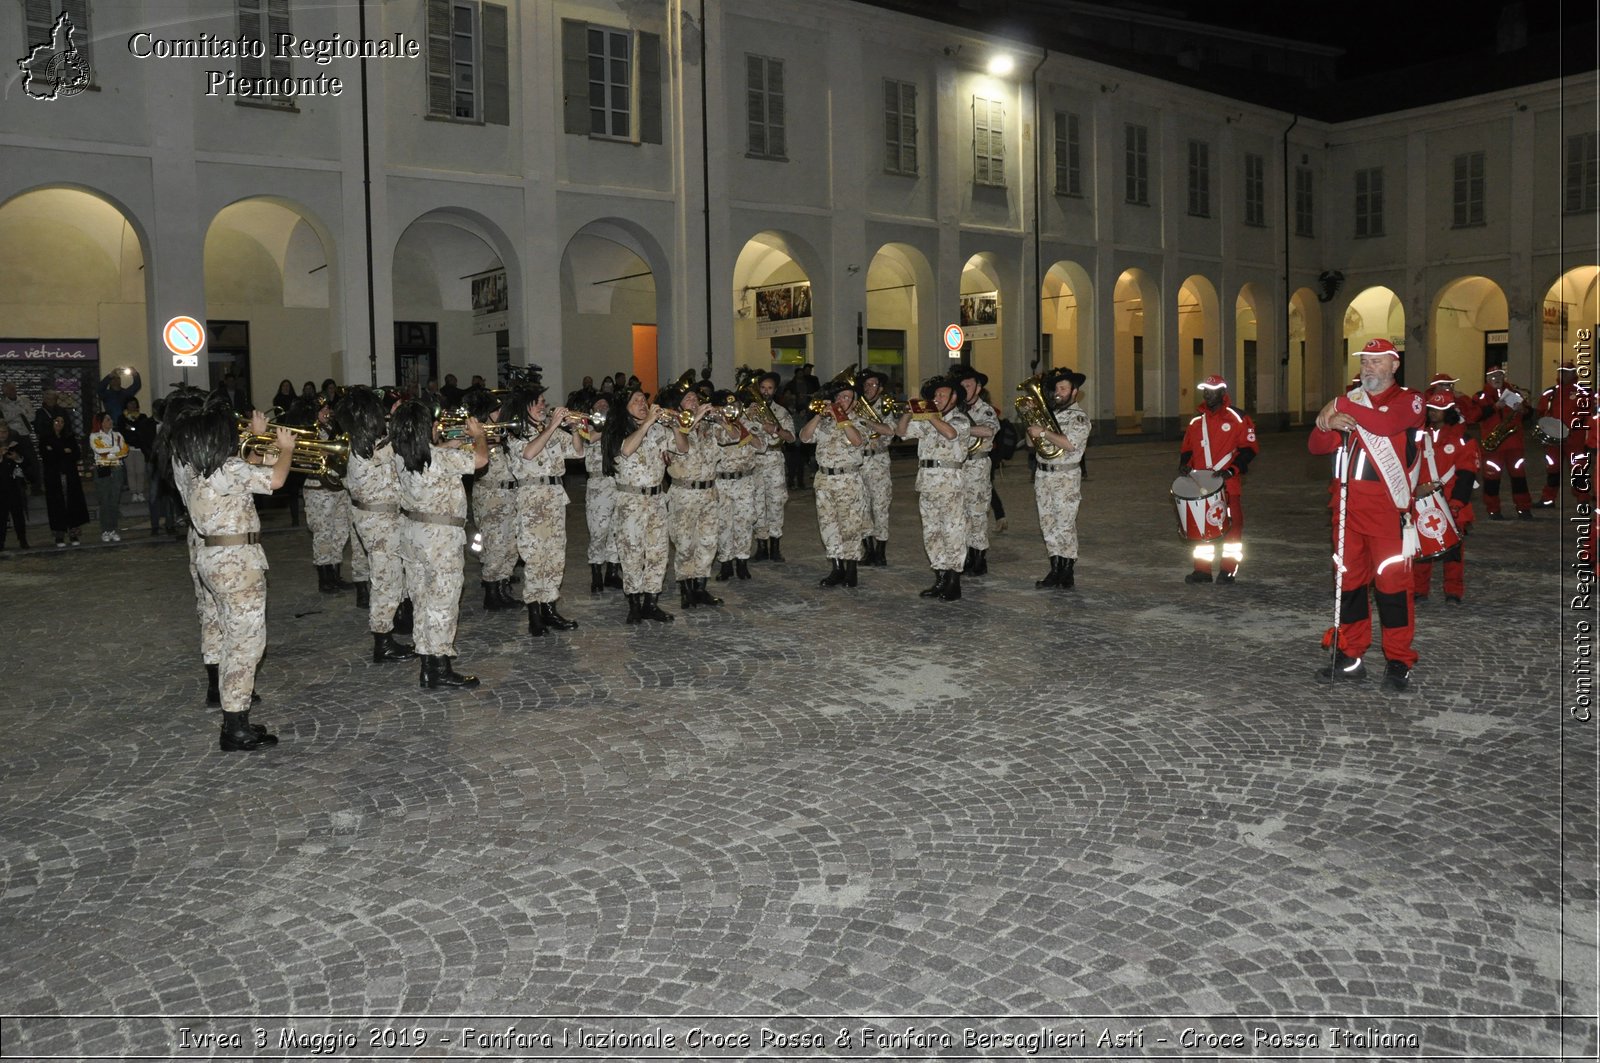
(1232, 436)
(1394, 414)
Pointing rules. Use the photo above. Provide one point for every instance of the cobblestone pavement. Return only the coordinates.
(1127, 809)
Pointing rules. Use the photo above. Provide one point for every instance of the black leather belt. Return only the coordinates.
(733, 475)
(507, 485)
(546, 481)
(640, 490)
(444, 519)
(244, 539)
(1042, 467)
(695, 485)
(929, 463)
(845, 471)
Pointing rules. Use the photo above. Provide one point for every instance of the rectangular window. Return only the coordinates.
(1199, 179)
(261, 21)
(39, 17)
(1255, 190)
(899, 127)
(1305, 204)
(764, 107)
(1582, 171)
(1069, 155)
(1369, 202)
(1467, 194)
(610, 83)
(468, 58)
(1136, 164)
(988, 142)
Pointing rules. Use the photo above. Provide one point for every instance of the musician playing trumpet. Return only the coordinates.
(840, 494)
(637, 445)
(976, 472)
(773, 427)
(599, 505)
(327, 508)
(941, 429)
(1058, 481)
(542, 506)
(374, 489)
(494, 505)
(875, 479)
(743, 471)
(692, 501)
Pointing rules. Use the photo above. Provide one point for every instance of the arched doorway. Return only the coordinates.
(268, 278)
(900, 340)
(1199, 340)
(1569, 305)
(1067, 317)
(73, 287)
(774, 315)
(1254, 348)
(983, 318)
(1375, 313)
(454, 293)
(1306, 357)
(1470, 330)
(610, 319)
(1136, 349)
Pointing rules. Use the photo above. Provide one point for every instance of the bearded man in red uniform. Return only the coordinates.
(1570, 403)
(1382, 419)
(1220, 440)
(1454, 466)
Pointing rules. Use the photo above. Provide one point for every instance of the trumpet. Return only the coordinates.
(454, 426)
(892, 408)
(322, 458)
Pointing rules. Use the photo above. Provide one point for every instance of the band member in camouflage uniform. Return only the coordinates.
(494, 509)
(942, 433)
(327, 508)
(217, 487)
(1058, 482)
(985, 423)
(374, 490)
(875, 467)
(692, 501)
(637, 445)
(840, 494)
(770, 487)
(433, 505)
(599, 503)
(542, 507)
(740, 473)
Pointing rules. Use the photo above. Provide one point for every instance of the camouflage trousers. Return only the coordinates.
(542, 540)
(599, 504)
(641, 530)
(976, 488)
(736, 516)
(328, 517)
(944, 524)
(841, 514)
(377, 541)
(692, 521)
(494, 514)
(434, 569)
(769, 494)
(206, 606)
(880, 491)
(238, 594)
(1058, 495)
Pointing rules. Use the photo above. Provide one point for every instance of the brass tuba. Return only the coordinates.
(1033, 408)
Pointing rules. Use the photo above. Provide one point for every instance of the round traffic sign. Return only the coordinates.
(184, 335)
(954, 337)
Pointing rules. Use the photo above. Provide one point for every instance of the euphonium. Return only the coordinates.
(750, 395)
(1034, 409)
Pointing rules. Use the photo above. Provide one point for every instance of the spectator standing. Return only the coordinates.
(110, 450)
(450, 393)
(284, 399)
(139, 429)
(18, 412)
(13, 487)
(116, 389)
(60, 454)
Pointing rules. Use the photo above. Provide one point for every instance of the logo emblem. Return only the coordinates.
(1416, 404)
(56, 69)
(1431, 524)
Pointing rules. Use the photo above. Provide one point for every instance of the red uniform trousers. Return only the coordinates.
(1455, 574)
(1507, 458)
(1373, 548)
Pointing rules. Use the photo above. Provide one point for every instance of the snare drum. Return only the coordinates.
(1550, 431)
(1202, 507)
(1437, 533)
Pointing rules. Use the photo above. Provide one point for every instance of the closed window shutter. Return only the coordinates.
(575, 76)
(755, 105)
(775, 138)
(277, 26)
(650, 88)
(1061, 153)
(82, 37)
(908, 128)
(496, 66)
(252, 27)
(440, 96)
(891, 126)
(40, 20)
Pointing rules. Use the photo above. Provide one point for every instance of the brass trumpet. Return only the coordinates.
(454, 426)
(322, 458)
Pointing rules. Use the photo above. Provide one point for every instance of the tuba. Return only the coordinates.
(1033, 408)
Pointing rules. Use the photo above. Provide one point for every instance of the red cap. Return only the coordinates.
(1378, 347)
(1441, 380)
(1441, 400)
(1212, 382)
(1566, 367)
(1493, 369)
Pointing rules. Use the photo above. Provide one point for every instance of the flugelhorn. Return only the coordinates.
(322, 458)
(1034, 409)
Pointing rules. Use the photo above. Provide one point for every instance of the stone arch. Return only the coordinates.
(900, 298)
(1136, 328)
(1066, 299)
(1468, 327)
(773, 269)
(1200, 354)
(613, 302)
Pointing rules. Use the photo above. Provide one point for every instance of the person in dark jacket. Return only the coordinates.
(13, 487)
(139, 431)
(62, 456)
(117, 388)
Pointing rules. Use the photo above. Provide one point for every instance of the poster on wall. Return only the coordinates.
(783, 310)
(490, 301)
(1555, 321)
(980, 315)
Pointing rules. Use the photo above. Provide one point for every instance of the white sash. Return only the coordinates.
(1391, 467)
(1205, 446)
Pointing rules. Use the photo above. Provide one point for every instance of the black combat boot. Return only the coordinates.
(980, 565)
(322, 580)
(535, 620)
(762, 551)
(742, 566)
(213, 686)
(869, 549)
(835, 578)
(686, 594)
(363, 594)
(773, 553)
(336, 582)
(430, 668)
(970, 565)
(952, 588)
(597, 579)
(554, 620)
(650, 610)
(1067, 583)
(446, 676)
(633, 608)
(703, 596)
(385, 648)
(492, 602)
(614, 575)
(725, 571)
(939, 577)
(850, 572)
(238, 736)
(403, 615)
(880, 559)
(507, 598)
(1054, 578)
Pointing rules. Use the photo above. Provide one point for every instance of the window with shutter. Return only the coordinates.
(611, 80)
(496, 65)
(1255, 190)
(1069, 155)
(764, 109)
(899, 127)
(262, 21)
(39, 19)
(988, 142)
(1199, 179)
(439, 53)
(1467, 199)
(1369, 202)
(1582, 178)
(1136, 164)
(1305, 203)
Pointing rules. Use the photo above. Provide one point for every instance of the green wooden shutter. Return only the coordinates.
(440, 97)
(650, 88)
(496, 66)
(575, 76)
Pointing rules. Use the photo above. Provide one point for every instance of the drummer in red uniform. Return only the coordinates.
(1569, 404)
(1381, 418)
(1454, 467)
(1220, 440)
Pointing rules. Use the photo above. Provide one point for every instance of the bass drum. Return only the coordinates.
(1201, 507)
